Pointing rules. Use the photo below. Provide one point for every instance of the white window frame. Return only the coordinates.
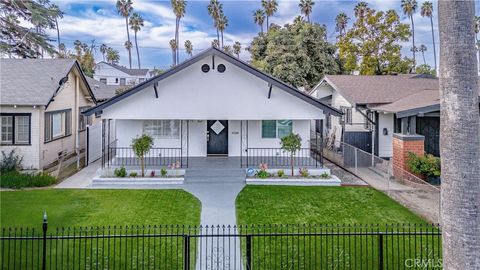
(162, 129)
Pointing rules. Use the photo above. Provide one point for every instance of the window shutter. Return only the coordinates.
(68, 122)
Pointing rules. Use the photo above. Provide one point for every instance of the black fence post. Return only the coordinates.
(249, 252)
(186, 252)
(44, 227)
(380, 251)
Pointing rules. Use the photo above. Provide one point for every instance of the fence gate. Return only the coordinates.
(94, 143)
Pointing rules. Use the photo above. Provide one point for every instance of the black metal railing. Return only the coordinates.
(277, 157)
(155, 158)
(224, 247)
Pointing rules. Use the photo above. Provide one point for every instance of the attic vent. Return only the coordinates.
(221, 68)
(205, 68)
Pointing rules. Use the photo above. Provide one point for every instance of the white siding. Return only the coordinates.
(113, 75)
(385, 144)
(193, 94)
(30, 153)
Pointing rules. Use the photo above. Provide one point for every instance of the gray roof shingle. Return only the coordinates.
(31, 81)
(101, 90)
(130, 71)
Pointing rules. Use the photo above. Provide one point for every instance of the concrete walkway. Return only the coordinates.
(81, 179)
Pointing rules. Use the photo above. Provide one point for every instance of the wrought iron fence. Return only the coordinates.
(277, 157)
(224, 247)
(114, 156)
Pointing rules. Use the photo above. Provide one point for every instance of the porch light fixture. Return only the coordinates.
(205, 68)
(385, 131)
(221, 68)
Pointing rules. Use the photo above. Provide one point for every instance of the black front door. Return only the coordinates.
(217, 137)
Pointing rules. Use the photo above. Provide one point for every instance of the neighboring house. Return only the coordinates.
(40, 107)
(211, 104)
(375, 107)
(102, 91)
(112, 74)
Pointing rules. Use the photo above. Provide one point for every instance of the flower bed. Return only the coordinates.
(122, 176)
(301, 177)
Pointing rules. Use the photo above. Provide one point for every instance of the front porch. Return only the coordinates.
(191, 143)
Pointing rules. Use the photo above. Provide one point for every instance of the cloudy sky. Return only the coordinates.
(99, 21)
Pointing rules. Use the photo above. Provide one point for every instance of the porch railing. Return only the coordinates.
(157, 157)
(277, 157)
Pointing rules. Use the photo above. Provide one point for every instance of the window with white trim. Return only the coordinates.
(58, 124)
(347, 115)
(15, 129)
(162, 129)
(83, 120)
(276, 128)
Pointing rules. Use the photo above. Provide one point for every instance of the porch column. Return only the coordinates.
(402, 145)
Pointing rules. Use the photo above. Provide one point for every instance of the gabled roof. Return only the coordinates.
(378, 89)
(102, 91)
(216, 52)
(34, 81)
(129, 71)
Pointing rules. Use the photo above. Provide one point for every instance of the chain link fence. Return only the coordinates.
(410, 191)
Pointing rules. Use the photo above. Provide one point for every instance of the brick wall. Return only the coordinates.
(402, 145)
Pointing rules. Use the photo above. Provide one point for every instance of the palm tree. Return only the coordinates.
(227, 49)
(112, 56)
(189, 48)
(259, 18)
(77, 44)
(179, 7)
(423, 49)
(222, 24)
(136, 23)
(173, 46)
(409, 7)
(427, 11)
(270, 7)
(215, 9)
(237, 48)
(361, 9)
(341, 22)
(459, 136)
(103, 50)
(215, 43)
(306, 7)
(124, 8)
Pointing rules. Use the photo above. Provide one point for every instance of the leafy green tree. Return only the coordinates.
(17, 36)
(427, 11)
(372, 45)
(409, 7)
(136, 24)
(291, 143)
(124, 8)
(306, 8)
(297, 53)
(141, 145)
(84, 55)
(259, 18)
(425, 69)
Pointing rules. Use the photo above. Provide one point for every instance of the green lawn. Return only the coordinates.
(98, 207)
(314, 205)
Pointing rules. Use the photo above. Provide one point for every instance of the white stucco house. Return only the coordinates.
(212, 104)
(112, 74)
(41, 101)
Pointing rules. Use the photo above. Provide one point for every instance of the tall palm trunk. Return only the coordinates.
(459, 136)
(174, 57)
(218, 35)
(423, 56)
(413, 41)
(433, 40)
(267, 23)
(128, 38)
(261, 27)
(177, 37)
(58, 33)
(136, 46)
(221, 33)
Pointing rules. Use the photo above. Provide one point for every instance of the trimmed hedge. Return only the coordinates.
(14, 179)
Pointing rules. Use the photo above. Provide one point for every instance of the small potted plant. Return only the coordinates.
(175, 166)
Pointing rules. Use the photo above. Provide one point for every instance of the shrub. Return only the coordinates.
(14, 179)
(141, 145)
(262, 174)
(325, 175)
(291, 143)
(163, 172)
(427, 165)
(10, 162)
(133, 174)
(281, 173)
(304, 172)
(120, 172)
